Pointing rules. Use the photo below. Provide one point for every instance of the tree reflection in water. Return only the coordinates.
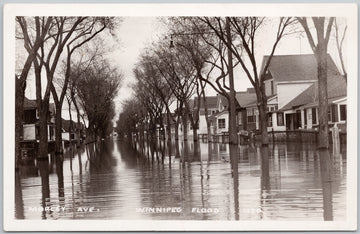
(45, 188)
(120, 176)
(19, 204)
(234, 160)
(326, 168)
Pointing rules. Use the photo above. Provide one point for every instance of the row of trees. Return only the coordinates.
(205, 51)
(66, 64)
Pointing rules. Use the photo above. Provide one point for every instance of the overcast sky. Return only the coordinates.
(136, 33)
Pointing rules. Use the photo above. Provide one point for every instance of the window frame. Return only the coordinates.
(220, 124)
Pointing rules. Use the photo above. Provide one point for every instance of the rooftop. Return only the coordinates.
(296, 67)
(336, 87)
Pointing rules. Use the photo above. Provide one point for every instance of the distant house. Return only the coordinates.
(70, 130)
(211, 105)
(31, 121)
(291, 88)
(220, 120)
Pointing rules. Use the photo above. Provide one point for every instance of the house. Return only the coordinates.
(211, 106)
(72, 135)
(302, 111)
(220, 120)
(31, 121)
(291, 88)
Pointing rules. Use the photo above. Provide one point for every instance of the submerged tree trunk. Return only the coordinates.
(177, 130)
(184, 122)
(79, 128)
(262, 108)
(208, 129)
(323, 97)
(168, 127)
(43, 133)
(195, 135)
(58, 131)
(232, 101)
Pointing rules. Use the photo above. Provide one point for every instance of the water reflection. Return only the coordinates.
(45, 187)
(231, 182)
(326, 180)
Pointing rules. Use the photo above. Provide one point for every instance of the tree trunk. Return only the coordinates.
(323, 97)
(195, 135)
(184, 120)
(263, 124)
(177, 130)
(79, 128)
(232, 101)
(207, 119)
(262, 108)
(58, 131)
(43, 132)
(168, 126)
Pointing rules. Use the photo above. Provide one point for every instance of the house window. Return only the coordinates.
(305, 118)
(250, 115)
(221, 123)
(343, 112)
(270, 120)
(313, 113)
(280, 119)
(272, 87)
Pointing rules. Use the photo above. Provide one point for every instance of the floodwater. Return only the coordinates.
(119, 180)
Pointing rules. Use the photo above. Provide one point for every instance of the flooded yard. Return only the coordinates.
(115, 179)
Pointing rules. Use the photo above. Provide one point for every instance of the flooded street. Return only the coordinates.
(113, 180)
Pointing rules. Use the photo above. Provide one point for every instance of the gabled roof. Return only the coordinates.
(296, 67)
(245, 98)
(336, 87)
(30, 104)
(211, 102)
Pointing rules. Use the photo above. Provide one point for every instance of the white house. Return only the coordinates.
(291, 87)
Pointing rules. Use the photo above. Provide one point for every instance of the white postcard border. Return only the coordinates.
(12, 10)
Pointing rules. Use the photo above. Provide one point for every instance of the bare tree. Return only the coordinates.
(320, 51)
(149, 76)
(240, 39)
(33, 38)
(340, 37)
(190, 42)
(96, 89)
(178, 72)
(86, 31)
(48, 59)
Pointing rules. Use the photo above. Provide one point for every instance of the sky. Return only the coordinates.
(136, 33)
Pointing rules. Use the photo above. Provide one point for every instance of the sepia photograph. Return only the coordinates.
(180, 117)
